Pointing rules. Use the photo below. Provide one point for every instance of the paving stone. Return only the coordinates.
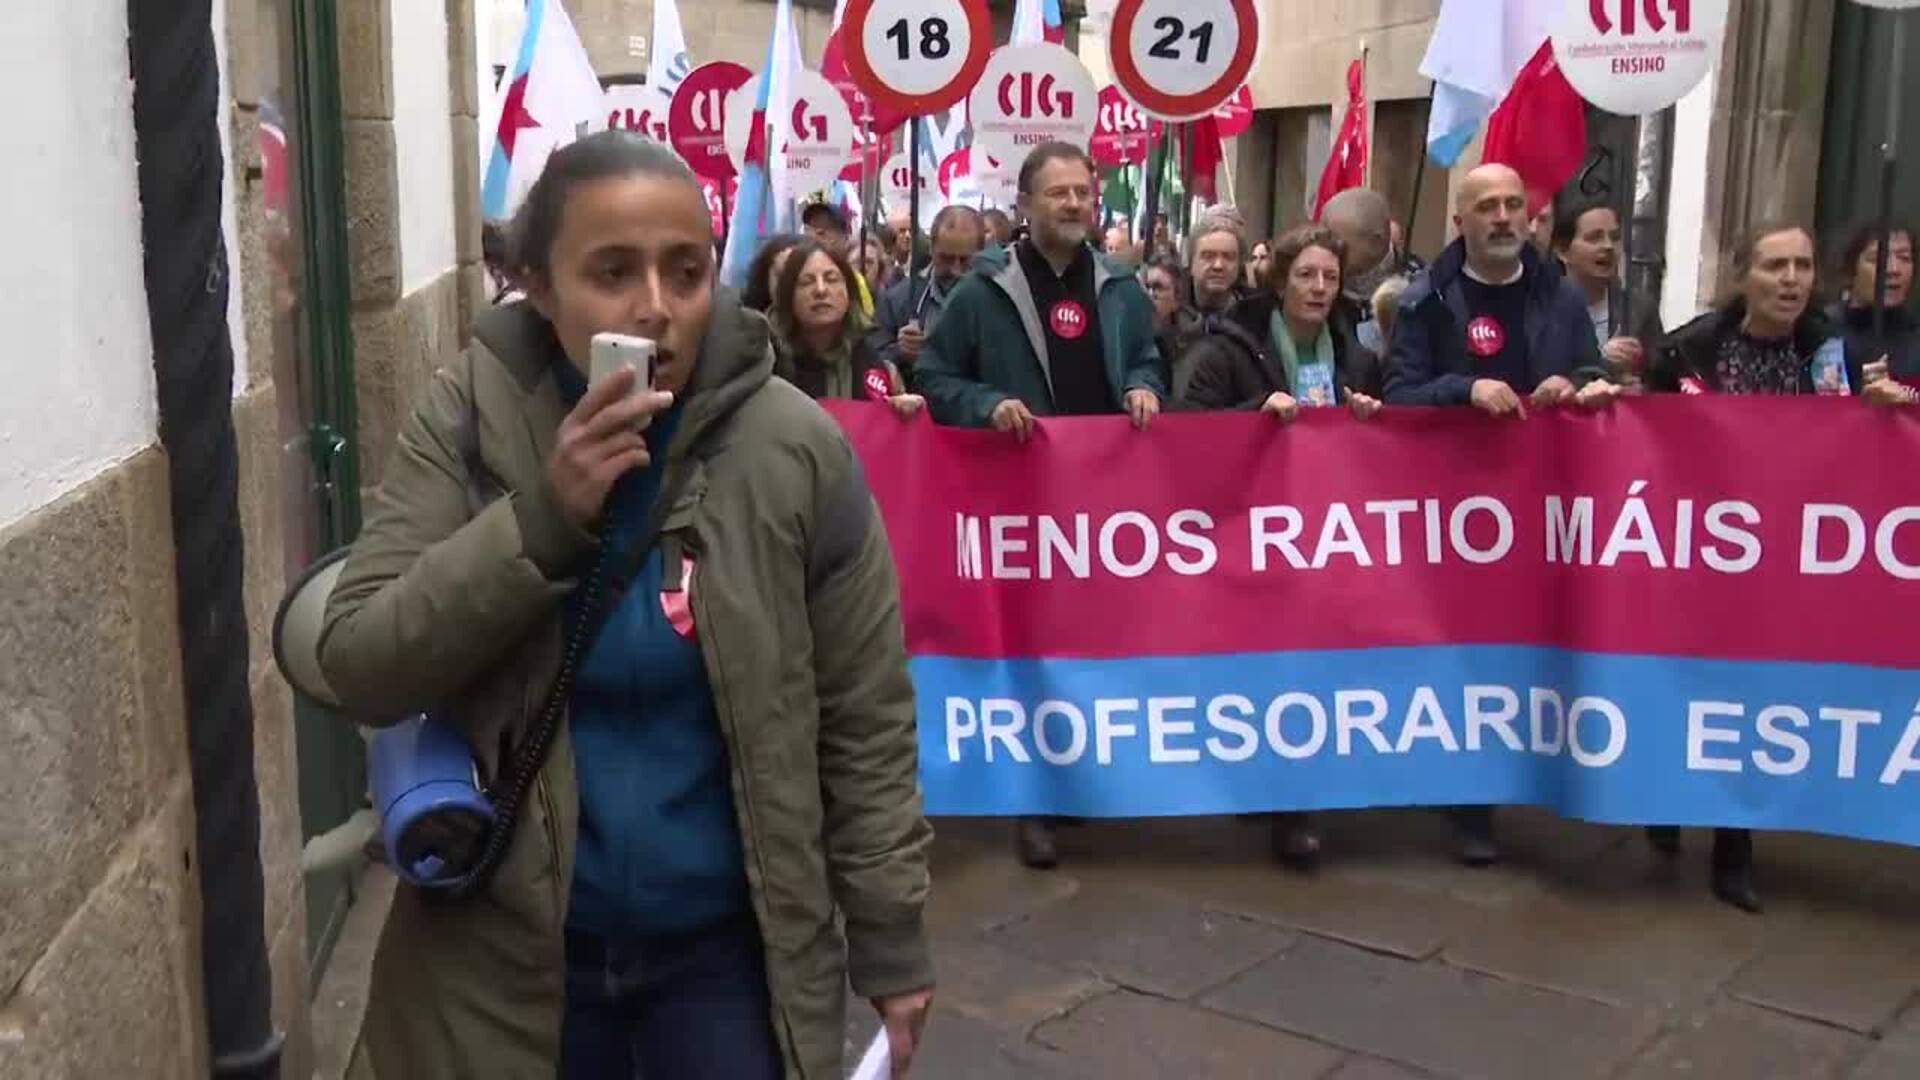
(1373, 1068)
(957, 1047)
(1417, 848)
(1388, 880)
(978, 885)
(1442, 1019)
(1889, 1060)
(1145, 939)
(1007, 990)
(1604, 958)
(1666, 948)
(1124, 1035)
(1161, 843)
(1897, 1055)
(1377, 915)
(1852, 971)
(1809, 873)
(1734, 1040)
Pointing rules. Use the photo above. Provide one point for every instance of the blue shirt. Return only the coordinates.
(659, 848)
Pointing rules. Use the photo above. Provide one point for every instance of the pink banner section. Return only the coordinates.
(1748, 529)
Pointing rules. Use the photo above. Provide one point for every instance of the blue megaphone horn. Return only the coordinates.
(435, 818)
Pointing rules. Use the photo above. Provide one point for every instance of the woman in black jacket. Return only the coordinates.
(819, 334)
(1587, 240)
(1889, 362)
(1285, 347)
(1766, 338)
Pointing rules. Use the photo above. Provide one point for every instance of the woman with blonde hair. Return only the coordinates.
(1386, 304)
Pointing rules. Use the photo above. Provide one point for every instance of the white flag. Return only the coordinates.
(667, 59)
(1477, 48)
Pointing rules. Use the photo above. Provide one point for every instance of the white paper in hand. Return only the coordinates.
(877, 1064)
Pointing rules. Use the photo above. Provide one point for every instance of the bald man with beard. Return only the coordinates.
(1491, 324)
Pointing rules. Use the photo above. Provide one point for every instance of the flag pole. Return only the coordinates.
(1626, 236)
(766, 186)
(1148, 175)
(913, 212)
(1366, 121)
(1419, 173)
(1184, 139)
(1889, 154)
(861, 184)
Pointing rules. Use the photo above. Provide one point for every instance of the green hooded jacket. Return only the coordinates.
(990, 344)
(452, 598)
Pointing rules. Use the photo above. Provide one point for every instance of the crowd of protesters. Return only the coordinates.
(985, 325)
(728, 828)
(1526, 309)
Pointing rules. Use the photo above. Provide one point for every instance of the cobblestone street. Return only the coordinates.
(1174, 948)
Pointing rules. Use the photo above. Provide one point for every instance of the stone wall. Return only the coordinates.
(400, 337)
(100, 966)
(100, 946)
(1309, 44)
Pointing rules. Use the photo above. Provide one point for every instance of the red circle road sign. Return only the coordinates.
(1182, 59)
(942, 49)
(697, 117)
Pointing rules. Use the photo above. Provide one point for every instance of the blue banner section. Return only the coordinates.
(1626, 739)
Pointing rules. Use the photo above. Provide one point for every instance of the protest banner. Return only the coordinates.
(1661, 612)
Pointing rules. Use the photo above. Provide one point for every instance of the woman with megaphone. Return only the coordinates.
(645, 583)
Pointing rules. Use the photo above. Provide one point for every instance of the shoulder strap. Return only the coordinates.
(509, 790)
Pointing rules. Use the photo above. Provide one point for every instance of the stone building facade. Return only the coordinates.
(100, 964)
(100, 969)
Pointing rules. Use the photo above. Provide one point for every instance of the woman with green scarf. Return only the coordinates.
(1280, 350)
(1286, 347)
(818, 332)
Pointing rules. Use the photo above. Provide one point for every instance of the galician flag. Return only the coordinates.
(765, 204)
(1477, 48)
(551, 97)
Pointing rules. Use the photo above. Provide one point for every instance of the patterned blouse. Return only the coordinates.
(1750, 365)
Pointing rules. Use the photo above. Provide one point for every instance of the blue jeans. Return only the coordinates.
(684, 1007)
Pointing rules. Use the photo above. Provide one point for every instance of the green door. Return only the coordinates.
(302, 189)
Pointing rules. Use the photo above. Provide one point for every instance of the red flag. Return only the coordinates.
(1204, 155)
(1540, 129)
(1347, 163)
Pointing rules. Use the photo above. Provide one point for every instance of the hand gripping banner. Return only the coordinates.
(1690, 611)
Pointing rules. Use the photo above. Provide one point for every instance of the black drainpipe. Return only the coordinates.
(176, 88)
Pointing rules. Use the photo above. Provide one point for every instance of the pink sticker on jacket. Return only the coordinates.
(678, 604)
